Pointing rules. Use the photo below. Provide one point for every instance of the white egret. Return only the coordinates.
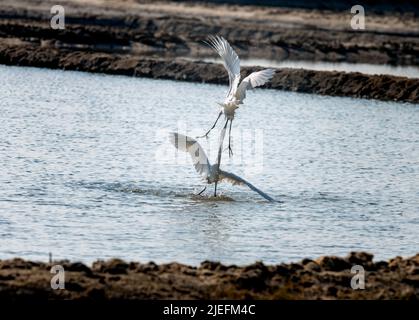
(237, 92)
(211, 173)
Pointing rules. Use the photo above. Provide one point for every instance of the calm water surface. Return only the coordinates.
(86, 172)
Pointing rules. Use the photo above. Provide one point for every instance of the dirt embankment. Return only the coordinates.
(380, 6)
(158, 27)
(319, 82)
(328, 277)
(146, 38)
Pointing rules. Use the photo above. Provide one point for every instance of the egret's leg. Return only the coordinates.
(219, 156)
(230, 151)
(202, 191)
(213, 126)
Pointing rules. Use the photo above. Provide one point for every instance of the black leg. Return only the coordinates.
(230, 151)
(213, 126)
(219, 156)
(202, 191)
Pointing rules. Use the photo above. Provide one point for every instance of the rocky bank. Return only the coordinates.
(163, 40)
(328, 277)
(358, 85)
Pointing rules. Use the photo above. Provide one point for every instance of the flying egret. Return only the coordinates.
(237, 92)
(211, 173)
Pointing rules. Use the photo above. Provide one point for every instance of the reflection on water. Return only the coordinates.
(80, 178)
(403, 71)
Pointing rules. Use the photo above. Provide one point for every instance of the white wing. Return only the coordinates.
(190, 145)
(230, 59)
(254, 80)
(234, 179)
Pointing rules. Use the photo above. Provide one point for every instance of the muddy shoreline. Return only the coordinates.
(178, 29)
(327, 277)
(357, 85)
(163, 40)
(379, 6)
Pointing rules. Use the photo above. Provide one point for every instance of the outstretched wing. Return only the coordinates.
(190, 145)
(253, 80)
(234, 179)
(230, 59)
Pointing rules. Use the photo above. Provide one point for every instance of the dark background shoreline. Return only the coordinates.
(333, 83)
(376, 6)
(147, 40)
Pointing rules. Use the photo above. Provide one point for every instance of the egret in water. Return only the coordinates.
(211, 173)
(237, 91)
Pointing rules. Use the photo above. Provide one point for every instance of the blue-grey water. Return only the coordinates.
(86, 172)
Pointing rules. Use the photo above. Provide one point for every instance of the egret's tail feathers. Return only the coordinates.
(236, 180)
